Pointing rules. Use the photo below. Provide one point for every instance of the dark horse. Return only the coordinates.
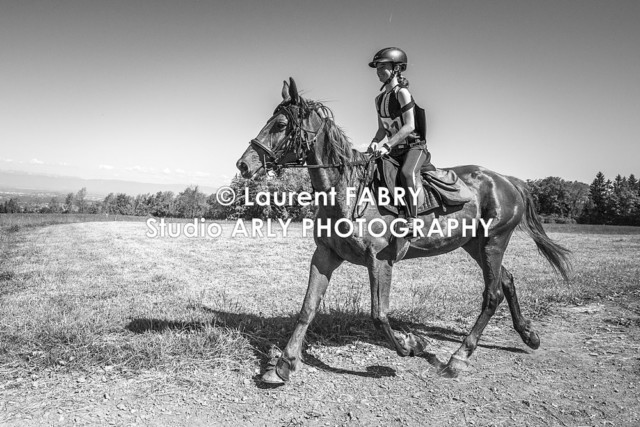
(304, 132)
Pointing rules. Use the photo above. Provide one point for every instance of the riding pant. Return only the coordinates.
(411, 162)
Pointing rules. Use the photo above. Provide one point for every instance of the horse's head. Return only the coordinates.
(286, 137)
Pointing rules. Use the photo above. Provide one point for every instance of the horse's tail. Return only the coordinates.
(558, 256)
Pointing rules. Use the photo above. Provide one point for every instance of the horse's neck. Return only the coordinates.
(339, 179)
(338, 205)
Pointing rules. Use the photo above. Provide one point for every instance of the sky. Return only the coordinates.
(173, 91)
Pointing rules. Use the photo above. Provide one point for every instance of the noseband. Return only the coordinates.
(297, 140)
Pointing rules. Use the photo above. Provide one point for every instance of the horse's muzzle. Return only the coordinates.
(243, 168)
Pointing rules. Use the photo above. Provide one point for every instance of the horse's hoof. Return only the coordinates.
(532, 340)
(530, 337)
(449, 372)
(410, 345)
(455, 366)
(283, 368)
(403, 352)
(406, 353)
(418, 343)
(271, 377)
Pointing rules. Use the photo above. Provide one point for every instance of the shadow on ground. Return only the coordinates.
(335, 328)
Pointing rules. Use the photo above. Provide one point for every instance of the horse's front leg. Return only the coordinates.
(323, 263)
(380, 273)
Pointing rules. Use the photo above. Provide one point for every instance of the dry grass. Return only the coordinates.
(75, 297)
(16, 222)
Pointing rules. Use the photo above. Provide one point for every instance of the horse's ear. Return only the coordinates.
(293, 90)
(285, 91)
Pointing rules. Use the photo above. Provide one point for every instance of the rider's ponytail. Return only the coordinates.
(402, 81)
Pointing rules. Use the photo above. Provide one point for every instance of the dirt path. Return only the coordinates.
(585, 373)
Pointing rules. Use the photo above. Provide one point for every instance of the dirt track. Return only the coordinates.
(585, 373)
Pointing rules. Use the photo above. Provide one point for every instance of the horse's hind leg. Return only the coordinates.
(488, 253)
(520, 323)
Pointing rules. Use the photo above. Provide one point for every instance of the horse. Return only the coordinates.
(303, 132)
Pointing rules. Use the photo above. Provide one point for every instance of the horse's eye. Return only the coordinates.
(281, 125)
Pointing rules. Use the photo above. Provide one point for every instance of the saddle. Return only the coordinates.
(440, 188)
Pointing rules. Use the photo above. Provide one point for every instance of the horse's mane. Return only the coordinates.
(336, 147)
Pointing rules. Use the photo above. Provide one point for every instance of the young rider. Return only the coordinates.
(398, 118)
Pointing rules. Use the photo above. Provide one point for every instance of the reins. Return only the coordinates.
(298, 139)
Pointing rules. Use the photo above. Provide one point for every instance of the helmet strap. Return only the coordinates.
(394, 73)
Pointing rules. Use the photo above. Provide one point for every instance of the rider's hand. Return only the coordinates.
(373, 147)
(382, 149)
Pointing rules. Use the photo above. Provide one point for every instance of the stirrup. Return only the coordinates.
(411, 235)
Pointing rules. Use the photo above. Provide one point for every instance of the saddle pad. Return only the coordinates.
(441, 188)
(446, 183)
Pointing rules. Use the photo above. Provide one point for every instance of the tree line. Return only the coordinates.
(557, 200)
(614, 202)
(190, 203)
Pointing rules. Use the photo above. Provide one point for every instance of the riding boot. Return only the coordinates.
(412, 234)
(412, 216)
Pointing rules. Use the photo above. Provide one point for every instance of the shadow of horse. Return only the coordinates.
(334, 328)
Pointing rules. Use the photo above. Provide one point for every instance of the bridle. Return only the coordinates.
(298, 140)
(302, 141)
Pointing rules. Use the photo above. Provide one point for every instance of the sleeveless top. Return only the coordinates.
(390, 111)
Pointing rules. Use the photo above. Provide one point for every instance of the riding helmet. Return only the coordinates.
(390, 54)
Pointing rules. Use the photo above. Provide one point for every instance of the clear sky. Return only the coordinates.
(172, 91)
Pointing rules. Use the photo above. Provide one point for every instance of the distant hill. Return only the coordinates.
(23, 182)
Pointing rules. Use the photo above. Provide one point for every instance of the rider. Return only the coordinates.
(401, 121)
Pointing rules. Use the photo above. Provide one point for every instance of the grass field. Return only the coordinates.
(85, 296)
(15, 222)
(81, 294)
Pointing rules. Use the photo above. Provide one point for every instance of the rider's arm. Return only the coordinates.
(379, 136)
(381, 133)
(407, 117)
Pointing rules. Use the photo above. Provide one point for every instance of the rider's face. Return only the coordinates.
(384, 71)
